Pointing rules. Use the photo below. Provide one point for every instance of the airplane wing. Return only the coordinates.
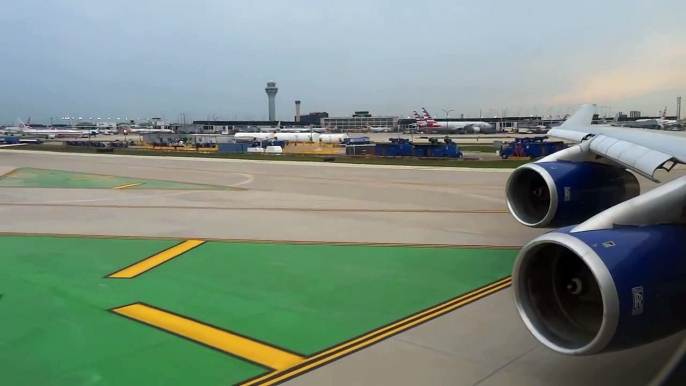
(611, 275)
(641, 151)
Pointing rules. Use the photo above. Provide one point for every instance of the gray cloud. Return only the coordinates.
(145, 58)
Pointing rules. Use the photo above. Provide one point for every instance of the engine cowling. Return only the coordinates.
(582, 293)
(556, 194)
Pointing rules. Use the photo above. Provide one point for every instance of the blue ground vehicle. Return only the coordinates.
(532, 147)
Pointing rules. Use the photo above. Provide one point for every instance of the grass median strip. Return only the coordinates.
(498, 164)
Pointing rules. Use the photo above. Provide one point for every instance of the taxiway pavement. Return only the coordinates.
(482, 343)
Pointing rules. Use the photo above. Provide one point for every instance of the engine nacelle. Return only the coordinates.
(582, 293)
(554, 194)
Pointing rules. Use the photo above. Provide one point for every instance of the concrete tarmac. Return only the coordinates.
(482, 343)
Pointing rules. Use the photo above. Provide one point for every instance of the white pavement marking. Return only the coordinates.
(249, 178)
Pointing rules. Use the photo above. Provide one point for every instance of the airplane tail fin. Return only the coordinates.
(417, 118)
(23, 125)
(428, 118)
(583, 116)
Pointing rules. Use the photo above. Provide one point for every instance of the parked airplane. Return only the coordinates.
(613, 275)
(468, 126)
(87, 132)
(662, 121)
(51, 133)
(144, 130)
(377, 129)
(299, 129)
(421, 123)
(654, 124)
(16, 129)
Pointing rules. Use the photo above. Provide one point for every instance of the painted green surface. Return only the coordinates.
(55, 327)
(310, 297)
(43, 178)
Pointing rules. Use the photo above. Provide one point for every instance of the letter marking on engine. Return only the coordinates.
(638, 300)
(568, 193)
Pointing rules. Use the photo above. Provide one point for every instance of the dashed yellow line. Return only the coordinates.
(155, 260)
(214, 337)
(127, 185)
(89, 178)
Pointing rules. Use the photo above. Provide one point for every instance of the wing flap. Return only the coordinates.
(651, 161)
(602, 144)
(616, 150)
(640, 159)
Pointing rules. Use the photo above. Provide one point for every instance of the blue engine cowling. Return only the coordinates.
(556, 194)
(582, 293)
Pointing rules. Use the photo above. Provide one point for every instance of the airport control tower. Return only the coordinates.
(271, 90)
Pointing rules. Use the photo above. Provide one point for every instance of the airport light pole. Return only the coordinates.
(447, 112)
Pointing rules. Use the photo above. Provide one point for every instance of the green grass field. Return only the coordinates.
(504, 164)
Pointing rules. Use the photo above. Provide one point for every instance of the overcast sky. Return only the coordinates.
(147, 58)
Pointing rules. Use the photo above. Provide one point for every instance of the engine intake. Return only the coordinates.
(549, 194)
(583, 293)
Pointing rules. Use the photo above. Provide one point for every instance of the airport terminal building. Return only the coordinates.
(359, 121)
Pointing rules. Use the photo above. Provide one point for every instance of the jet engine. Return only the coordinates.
(586, 292)
(561, 193)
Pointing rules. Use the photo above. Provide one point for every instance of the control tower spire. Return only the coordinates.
(271, 90)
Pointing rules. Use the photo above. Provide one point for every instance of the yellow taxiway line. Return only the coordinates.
(375, 336)
(216, 338)
(8, 173)
(155, 260)
(89, 178)
(128, 185)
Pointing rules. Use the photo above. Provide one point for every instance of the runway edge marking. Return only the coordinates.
(227, 342)
(145, 265)
(356, 344)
